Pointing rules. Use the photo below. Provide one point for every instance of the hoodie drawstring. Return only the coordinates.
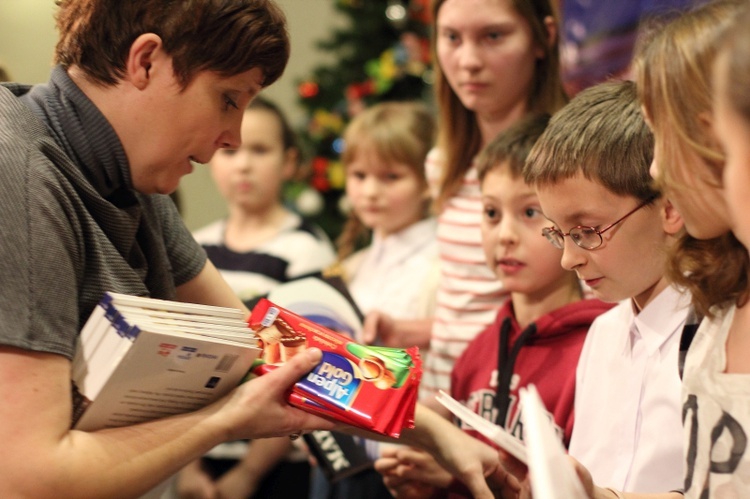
(505, 364)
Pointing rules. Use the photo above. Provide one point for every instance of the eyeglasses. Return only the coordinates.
(588, 238)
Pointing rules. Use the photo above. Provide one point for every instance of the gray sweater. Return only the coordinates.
(71, 225)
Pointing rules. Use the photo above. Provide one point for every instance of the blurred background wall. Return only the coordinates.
(28, 37)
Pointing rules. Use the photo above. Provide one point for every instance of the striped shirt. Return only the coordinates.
(297, 250)
(469, 294)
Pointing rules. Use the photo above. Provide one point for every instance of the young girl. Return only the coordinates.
(673, 70)
(384, 156)
(385, 184)
(497, 60)
(259, 245)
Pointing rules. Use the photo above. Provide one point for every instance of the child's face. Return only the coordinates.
(734, 134)
(514, 247)
(252, 175)
(630, 261)
(692, 189)
(487, 53)
(387, 197)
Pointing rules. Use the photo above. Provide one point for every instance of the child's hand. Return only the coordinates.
(237, 483)
(379, 326)
(194, 483)
(586, 479)
(412, 464)
(513, 466)
(404, 477)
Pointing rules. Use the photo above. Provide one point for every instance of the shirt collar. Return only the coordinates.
(83, 132)
(397, 247)
(663, 317)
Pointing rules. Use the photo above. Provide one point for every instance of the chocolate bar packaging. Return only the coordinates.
(370, 387)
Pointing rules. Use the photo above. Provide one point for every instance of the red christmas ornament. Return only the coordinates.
(319, 165)
(420, 10)
(308, 89)
(320, 183)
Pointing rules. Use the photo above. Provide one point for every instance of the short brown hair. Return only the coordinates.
(601, 134)
(228, 37)
(512, 146)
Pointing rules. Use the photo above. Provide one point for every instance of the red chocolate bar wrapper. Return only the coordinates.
(374, 388)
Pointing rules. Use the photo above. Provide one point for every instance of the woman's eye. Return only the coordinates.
(229, 102)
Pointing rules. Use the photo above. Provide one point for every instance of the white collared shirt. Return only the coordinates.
(395, 274)
(628, 423)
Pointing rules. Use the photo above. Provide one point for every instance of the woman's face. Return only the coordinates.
(487, 53)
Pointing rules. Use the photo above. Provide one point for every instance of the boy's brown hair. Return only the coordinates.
(228, 37)
(511, 147)
(601, 134)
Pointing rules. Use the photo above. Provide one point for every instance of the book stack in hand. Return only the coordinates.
(141, 358)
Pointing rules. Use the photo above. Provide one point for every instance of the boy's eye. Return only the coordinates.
(491, 213)
(227, 152)
(531, 212)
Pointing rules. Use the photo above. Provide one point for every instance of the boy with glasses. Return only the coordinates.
(591, 172)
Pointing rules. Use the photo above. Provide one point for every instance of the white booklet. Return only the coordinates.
(551, 472)
(141, 358)
(325, 302)
(489, 430)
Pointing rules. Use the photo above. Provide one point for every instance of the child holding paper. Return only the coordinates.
(537, 335)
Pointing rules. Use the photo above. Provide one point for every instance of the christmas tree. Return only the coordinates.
(382, 54)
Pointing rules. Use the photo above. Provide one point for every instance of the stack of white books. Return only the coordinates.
(141, 358)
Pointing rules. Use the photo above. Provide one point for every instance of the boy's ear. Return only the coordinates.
(671, 219)
(144, 52)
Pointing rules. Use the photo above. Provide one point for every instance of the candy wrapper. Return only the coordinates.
(370, 387)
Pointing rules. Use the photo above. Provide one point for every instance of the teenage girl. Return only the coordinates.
(497, 61)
